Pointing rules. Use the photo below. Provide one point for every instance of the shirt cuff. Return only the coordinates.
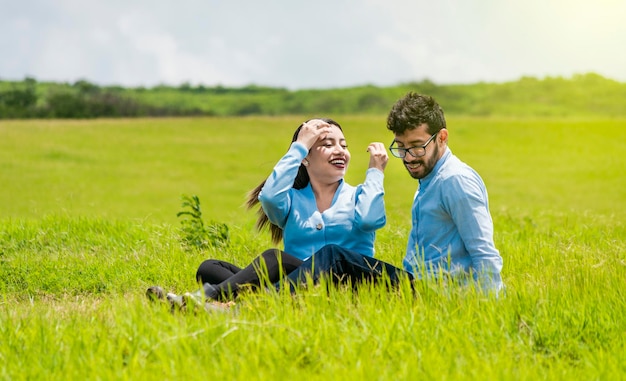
(300, 148)
(375, 174)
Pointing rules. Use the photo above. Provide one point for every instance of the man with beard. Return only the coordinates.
(451, 235)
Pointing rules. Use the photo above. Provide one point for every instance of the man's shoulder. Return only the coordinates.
(454, 167)
(457, 177)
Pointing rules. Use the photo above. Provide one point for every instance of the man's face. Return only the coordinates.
(420, 167)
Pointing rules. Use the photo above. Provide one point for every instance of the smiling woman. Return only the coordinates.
(306, 203)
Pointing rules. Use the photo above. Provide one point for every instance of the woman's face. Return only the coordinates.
(329, 157)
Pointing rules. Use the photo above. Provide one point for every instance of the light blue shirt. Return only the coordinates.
(351, 221)
(452, 229)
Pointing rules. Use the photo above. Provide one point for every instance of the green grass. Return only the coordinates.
(88, 221)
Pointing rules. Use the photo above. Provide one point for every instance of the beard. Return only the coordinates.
(426, 165)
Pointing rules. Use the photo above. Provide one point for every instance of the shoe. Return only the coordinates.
(155, 293)
(195, 299)
(188, 299)
(176, 301)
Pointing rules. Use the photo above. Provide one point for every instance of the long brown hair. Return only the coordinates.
(301, 181)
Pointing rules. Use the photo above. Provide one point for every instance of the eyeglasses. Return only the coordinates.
(415, 151)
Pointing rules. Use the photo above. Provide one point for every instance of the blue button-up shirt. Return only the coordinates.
(351, 221)
(452, 229)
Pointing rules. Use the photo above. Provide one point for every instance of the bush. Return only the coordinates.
(195, 234)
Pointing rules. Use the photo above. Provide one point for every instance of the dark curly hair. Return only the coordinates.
(413, 110)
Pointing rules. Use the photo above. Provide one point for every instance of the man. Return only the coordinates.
(452, 230)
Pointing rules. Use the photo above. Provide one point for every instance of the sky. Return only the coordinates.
(309, 44)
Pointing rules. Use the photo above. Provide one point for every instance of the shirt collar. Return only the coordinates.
(309, 189)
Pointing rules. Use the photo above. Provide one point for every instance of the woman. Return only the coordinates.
(306, 203)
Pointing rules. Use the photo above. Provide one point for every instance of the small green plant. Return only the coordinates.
(195, 233)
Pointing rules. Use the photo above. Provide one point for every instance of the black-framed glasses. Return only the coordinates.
(415, 151)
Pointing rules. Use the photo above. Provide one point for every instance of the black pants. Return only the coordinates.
(342, 266)
(228, 279)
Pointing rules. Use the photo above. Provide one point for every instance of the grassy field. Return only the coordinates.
(88, 221)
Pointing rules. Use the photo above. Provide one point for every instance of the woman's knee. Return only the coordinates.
(270, 257)
(214, 271)
(207, 264)
(270, 253)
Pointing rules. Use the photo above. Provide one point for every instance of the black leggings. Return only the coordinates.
(341, 264)
(228, 279)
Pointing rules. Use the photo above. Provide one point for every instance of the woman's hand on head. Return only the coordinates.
(312, 131)
(378, 156)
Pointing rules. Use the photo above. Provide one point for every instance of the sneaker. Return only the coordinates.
(176, 301)
(186, 300)
(195, 299)
(155, 293)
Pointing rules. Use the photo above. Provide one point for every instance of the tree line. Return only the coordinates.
(581, 95)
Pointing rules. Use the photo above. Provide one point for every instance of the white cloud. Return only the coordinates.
(310, 44)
